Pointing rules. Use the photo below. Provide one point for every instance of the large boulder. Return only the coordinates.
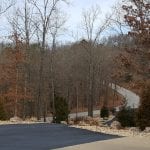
(147, 130)
(134, 129)
(63, 122)
(116, 125)
(16, 119)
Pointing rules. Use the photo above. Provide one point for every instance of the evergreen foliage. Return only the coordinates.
(2, 112)
(61, 110)
(104, 112)
(143, 115)
(126, 117)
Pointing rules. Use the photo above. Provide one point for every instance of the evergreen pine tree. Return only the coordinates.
(2, 112)
(104, 112)
(143, 115)
(61, 110)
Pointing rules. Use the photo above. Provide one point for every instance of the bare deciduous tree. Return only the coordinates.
(93, 31)
(56, 27)
(5, 5)
(45, 11)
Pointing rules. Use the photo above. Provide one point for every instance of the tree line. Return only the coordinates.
(35, 69)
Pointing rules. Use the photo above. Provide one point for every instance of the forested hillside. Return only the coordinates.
(35, 67)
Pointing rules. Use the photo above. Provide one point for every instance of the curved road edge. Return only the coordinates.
(133, 100)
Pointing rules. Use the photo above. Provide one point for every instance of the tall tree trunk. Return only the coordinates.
(52, 74)
(16, 94)
(91, 86)
(41, 81)
(77, 100)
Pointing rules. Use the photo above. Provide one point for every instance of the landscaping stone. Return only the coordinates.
(64, 122)
(116, 125)
(16, 119)
(134, 129)
(147, 130)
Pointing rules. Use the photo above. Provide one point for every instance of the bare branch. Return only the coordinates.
(6, 5)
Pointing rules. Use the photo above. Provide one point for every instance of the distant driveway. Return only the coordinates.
(45, 137)
(133, 100)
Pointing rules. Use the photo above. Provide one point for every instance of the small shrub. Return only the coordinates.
(104, 112)
(78, 119)
(113, 111)
(128, 77)
(2, 112)
(61, 110)
(126, 117)
(143, 114)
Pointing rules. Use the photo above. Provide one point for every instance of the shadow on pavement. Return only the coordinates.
(46, 137)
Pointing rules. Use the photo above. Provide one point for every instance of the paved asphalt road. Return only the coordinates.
(133, 100)
(45, 137)
(126, 143)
